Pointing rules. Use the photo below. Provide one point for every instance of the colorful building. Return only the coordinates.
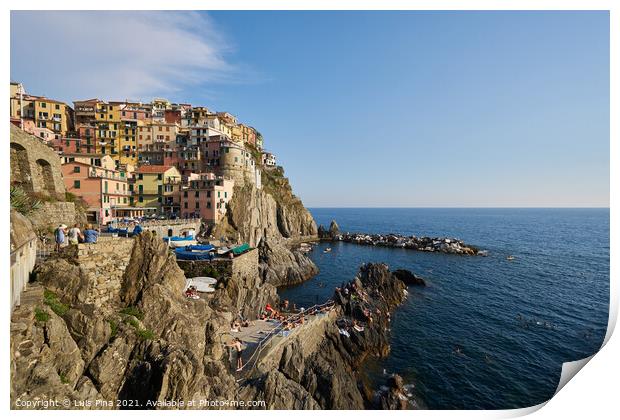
(206, 196)
(51, 114)
(102, 189)
(248, 134)
(269, 159)
(157, 186)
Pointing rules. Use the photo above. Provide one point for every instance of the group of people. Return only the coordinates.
(74, 235)
(238, 323)
(368, 309)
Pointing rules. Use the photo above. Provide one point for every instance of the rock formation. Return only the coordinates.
(320, 368)
(150, 344)
(156, 345)
(273, 219)
(409, 278)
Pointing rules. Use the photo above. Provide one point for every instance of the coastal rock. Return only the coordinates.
(409, 278)
(321, 366)
(334, 230)
(274, 220)
(281, 266)
(424, 244)
(394, 396)
(151, 263)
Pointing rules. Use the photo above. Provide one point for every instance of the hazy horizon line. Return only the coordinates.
(459, 207)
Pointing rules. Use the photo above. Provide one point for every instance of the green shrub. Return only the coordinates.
(133, 322)
(63, 378)
(133, 311)
(113, 327)
(41, 315)
(51, 300)
(22, 202)
(146, 334)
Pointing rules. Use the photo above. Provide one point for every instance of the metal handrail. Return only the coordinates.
(270, 334)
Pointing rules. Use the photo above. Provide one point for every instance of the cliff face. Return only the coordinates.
(148, 343)
(154, 345)
(272, 218)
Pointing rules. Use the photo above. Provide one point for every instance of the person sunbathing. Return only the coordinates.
(235, 327)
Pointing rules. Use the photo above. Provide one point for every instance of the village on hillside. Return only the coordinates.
(132, 160)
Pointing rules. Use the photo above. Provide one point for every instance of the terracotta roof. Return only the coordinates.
(153, 169)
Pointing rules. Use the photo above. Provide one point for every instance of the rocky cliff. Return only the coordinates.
(150, 344)
(273, 219)
(154, 345)
(321, 367)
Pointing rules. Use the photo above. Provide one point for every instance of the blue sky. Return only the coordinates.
(373, 109)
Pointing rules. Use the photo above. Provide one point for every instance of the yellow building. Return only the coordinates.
(237, 133)
(158, 186)
(108, 126)
(51, 114)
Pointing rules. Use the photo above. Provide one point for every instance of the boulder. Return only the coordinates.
(409, 278)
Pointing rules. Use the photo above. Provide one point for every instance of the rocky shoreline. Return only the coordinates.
(393, 240)
(323, 367)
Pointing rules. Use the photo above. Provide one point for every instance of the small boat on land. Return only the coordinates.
(194, 252)
(180, 241)
(202, 284)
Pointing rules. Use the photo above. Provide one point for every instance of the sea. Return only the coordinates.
(486, 332)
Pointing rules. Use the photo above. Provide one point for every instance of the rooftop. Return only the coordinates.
(153, 169)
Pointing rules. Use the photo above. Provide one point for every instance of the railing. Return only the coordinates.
(277, 329)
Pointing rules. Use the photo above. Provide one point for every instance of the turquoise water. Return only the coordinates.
(516, 321)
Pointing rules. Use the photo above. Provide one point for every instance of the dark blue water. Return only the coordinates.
(559, 283)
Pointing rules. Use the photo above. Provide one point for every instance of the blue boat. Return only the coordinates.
(195, 252)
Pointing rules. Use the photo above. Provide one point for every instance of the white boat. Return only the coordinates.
(222, 250)
(178, 244)
(327, 250)
(202, 284)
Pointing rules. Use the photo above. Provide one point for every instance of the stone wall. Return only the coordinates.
(52, 214)
(34, 166)
(103, 264)
(165, 227)
(243, 266)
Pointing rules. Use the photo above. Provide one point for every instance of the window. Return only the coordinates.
(159, 177)
(197, 194)
(43, 105)
(197, 204)
(208, 194)
(141, 199)
(218, 194)
(140, 178)
(57, 106)
(185, 205)
(208, 204)
(76, 169)
(76, 184)
(225, 194)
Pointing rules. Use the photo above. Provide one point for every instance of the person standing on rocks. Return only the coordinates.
(59, 236)
(236, 344)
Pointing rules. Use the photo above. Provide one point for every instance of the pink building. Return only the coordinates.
(102, 189)
(206, 196)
